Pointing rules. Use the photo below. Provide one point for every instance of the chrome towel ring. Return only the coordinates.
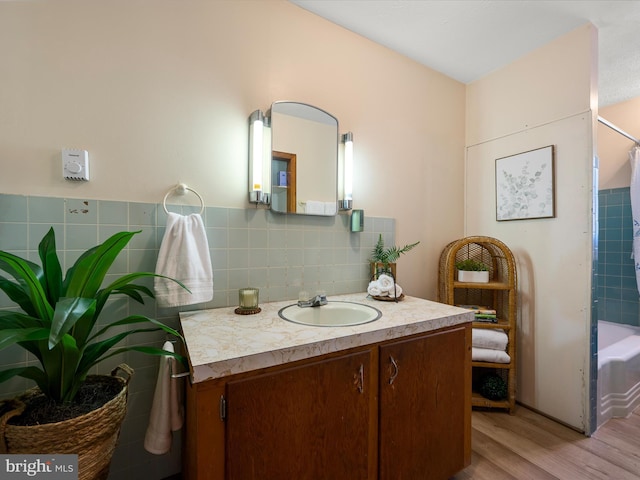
(181, 189)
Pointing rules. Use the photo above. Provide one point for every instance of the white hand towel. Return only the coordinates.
(184, 255)
(166, 410)
(489, 355)
(486, 338)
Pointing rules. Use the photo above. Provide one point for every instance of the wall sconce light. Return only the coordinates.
(259, 159)
(346, 173)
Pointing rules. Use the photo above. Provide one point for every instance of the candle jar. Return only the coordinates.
(248, 298)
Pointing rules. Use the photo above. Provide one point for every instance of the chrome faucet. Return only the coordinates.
(316, 301)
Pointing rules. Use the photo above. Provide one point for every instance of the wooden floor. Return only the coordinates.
(529, 446)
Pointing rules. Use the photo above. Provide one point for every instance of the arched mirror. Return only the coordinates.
(304, 159)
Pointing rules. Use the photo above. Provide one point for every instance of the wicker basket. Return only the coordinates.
(92, 436)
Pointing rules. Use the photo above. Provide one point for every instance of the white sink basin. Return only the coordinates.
(333, 314)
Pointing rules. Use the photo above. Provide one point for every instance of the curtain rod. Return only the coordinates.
(619, 130)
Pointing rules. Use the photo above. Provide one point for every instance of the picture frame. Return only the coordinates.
(525, 185)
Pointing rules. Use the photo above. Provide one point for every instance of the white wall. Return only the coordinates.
(160, 92)
(613, 148)
(544, 98)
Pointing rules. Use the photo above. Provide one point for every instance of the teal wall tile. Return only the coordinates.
(13, 208)
(14, 236)
(238, 237)
(618, 298)
(37, 231)
(143, 214)
(217, 217)
(46, 210)
(78, 237)
(113, 213)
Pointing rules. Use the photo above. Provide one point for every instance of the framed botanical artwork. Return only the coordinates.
(525, 185)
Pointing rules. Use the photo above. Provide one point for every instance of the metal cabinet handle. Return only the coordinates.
(394, 374)
(360, 379)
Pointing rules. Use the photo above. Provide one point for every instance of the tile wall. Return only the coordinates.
(279, 254)
(618, 299)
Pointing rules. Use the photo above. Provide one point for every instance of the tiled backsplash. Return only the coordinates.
(618, 299)
(279, 254)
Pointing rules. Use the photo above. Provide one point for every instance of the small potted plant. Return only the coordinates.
(383, 259)
(58, 323)
(471, 270)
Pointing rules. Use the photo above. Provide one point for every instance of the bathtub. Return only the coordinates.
(618, 370)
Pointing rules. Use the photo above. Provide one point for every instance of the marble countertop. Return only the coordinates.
(221, 343)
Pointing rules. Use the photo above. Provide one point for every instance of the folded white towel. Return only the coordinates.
(489, 355)
(184, 255)
(489, 338)
(330, 208)
(167, 411)
(313, 207)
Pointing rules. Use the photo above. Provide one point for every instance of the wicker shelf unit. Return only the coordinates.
(499, 294)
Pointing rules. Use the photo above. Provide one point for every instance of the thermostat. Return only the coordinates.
(75, 164)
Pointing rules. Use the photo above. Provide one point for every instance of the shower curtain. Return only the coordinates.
(634, 158)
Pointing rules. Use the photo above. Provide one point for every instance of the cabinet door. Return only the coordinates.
(307, 422)
(424, 407)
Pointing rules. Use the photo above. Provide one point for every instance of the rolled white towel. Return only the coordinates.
(385, 282)
(397, 291)
(374, 289)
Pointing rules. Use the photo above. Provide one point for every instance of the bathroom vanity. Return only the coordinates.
(268, 398)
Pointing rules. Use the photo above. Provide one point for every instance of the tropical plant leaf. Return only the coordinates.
(51, 266)
(124, 286)
(85, 277)
(69, 311)
(32, 373)
(95, 352)
(27, 274)
(148, 351)
(160, 352)
(10, 320)
(133, 319)
(11, 336)
(18, 294)
(61, 364)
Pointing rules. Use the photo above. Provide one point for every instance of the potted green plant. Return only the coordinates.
(472, 270)
(59, 326)
(383, 260)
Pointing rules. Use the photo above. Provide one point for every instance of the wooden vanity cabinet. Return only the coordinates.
(395, 410)
(310, 421)
(425, 406)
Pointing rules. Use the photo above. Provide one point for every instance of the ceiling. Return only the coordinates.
(467, 39)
